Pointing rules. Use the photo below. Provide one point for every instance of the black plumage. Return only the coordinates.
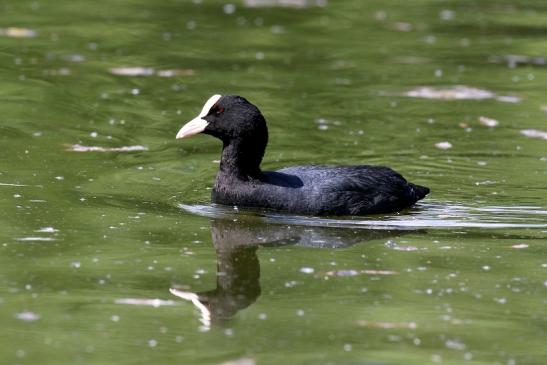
(312, 190)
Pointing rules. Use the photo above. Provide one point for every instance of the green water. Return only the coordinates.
(94, 244)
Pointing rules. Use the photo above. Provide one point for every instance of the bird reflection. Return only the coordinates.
(238, 267)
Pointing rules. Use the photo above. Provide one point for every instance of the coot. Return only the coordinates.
(311, 190)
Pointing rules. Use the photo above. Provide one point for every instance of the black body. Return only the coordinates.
(311, 190)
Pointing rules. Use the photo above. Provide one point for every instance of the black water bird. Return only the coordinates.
(311, 190)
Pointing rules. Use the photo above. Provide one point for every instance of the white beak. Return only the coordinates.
(198, 124)
(195, 126)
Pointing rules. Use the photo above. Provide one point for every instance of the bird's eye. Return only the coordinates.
(216, 110)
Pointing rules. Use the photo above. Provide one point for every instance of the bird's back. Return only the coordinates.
(325, 190)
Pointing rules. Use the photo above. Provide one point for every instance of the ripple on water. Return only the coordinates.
(458, 92)
(299, 4)
(15, 32)
(148, 71)
(430, 215)
(81, 148)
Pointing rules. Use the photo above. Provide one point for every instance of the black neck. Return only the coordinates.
(241, 159)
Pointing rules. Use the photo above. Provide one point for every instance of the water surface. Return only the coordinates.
(110, 251)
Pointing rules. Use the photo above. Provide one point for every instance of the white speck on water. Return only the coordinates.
(277, 29)
(395, 246)
(430, 39)
(191, 25)
(27, 316)
(259, 56)
(350, 272)
(152, 343)
(262, 316)
(20, 353)
(115, 318)
(508, 99)
(146, 302)
(485, 182)
(486, 268)
(135, 91)
(74, 58)
(290, 284)
(94, 134)
(298, 4)
(436, 358)
(445, 145)
(300, 312)
(402, 26)
(60, 178)
(47, 230)
(229, 332)
(519, 246)
(17, 195)
(132, 71)
(10, 184)
(380, 15)
(15, 32)
(36, 239)
(347, 347)
(534, 133)
(229, 9)
(459, 92)
(307, 270)
(447, 14)
(488, 122)
(75, 264)
(455, 345)
(501, 300)
(80, 148)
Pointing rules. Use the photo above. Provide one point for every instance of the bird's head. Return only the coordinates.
(229, 118)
